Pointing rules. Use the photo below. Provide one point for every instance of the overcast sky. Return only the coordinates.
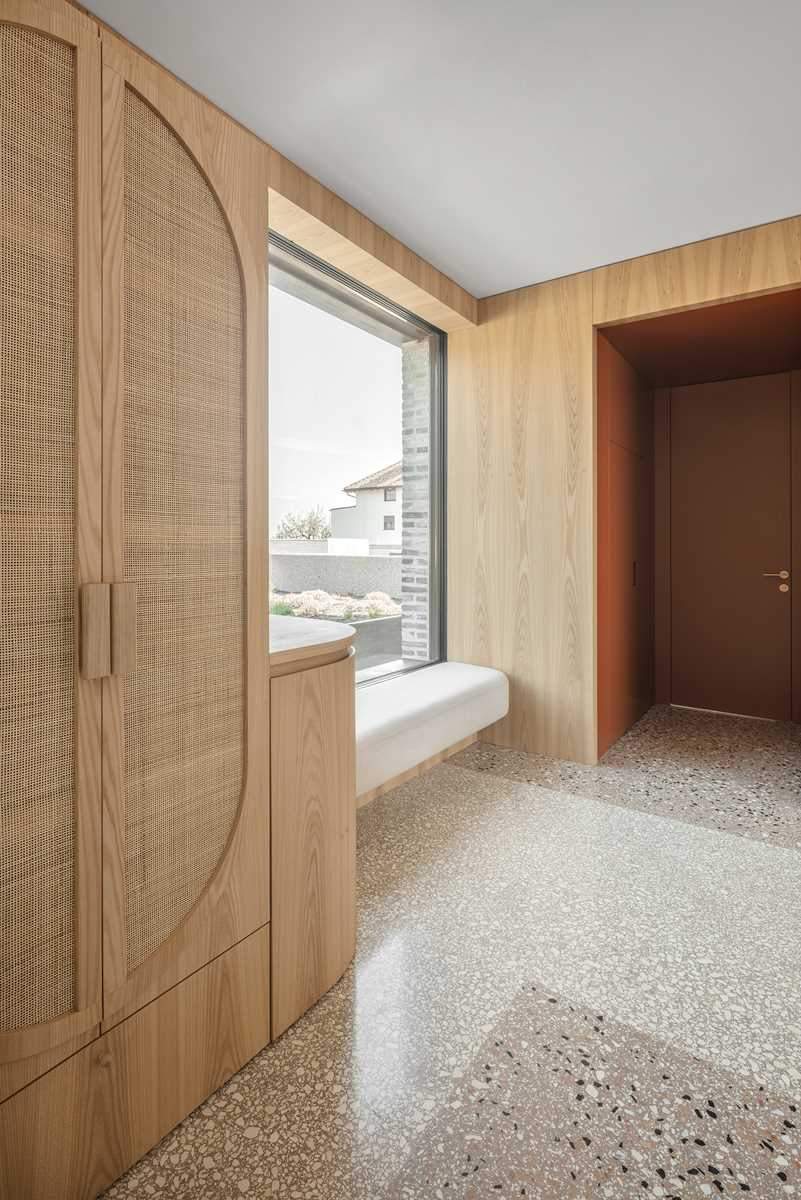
(335, 406)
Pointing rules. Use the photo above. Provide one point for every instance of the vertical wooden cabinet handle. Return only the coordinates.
(95, 656)
(123, 628)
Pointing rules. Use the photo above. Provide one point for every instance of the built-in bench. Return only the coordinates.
(407, 724)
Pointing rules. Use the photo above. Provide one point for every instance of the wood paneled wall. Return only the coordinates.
(795, 518)
(625, 544)
(522, 469)
(763, 259)
(662, 596)
(522, 435)
(521, 510)
(313, 217)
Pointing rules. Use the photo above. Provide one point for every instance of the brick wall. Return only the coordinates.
(415, 522)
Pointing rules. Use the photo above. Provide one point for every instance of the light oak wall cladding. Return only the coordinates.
(521, 511)
(763, 259)
(313, 217)
(522, 469)
(625, 543)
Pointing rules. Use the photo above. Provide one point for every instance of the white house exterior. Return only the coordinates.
(377, 511)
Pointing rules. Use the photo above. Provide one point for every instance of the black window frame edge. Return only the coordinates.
(438, 441)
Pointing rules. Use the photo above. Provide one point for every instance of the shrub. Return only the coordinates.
(280, 608)
(322, 604)
(311, 525)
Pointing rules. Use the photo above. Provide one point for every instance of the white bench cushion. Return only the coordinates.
(401, 722)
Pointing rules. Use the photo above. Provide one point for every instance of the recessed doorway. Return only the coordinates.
(699, 512)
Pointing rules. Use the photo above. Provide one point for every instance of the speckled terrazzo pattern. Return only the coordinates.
(737, 775)
(561, 1102)
(491, 908)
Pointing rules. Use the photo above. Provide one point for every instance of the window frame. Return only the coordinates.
(318, 283)
(390, 498)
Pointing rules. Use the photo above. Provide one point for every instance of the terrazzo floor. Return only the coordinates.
(570, 982)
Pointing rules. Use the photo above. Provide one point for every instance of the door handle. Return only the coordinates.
(95, 627)
(123, 628)
(775, 574)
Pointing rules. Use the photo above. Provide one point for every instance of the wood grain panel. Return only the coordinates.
(313, 217)
(70, 1134)
(292, 640)
(236, 899)
(521, 533)
(763, 259)
(314, 835)
(123, 628)
(95, 630)
(795, 580)
(88, 884)
(307, 662)
(58, 17)
(625, 545)
(16, 1075)
(662, 626)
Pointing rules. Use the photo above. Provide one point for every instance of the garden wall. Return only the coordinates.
(341, 574)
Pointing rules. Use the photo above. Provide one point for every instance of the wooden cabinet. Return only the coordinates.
(185, 811)
(50, 446)
(76, 1130)
(134, 797)
(313, 789)
(135, 869)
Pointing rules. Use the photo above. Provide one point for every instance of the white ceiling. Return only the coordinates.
(514, 141)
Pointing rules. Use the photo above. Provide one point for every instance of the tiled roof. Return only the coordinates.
(387, 477)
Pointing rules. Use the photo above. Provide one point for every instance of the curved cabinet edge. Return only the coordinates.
(313, 806)
(287, 662)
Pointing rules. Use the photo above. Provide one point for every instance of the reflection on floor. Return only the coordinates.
(570, 982)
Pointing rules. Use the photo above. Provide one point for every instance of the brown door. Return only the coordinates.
(730, 537)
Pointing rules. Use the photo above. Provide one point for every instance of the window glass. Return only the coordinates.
(356, 451)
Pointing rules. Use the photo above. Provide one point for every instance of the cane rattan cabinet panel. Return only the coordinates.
(185, 789)
(134, 804)
(37, 486)
(134, 808)
(50, 545)
(183, 530)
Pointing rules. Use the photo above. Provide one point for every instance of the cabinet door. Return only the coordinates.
(185, 780)
(314, 833)
(50, 545)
